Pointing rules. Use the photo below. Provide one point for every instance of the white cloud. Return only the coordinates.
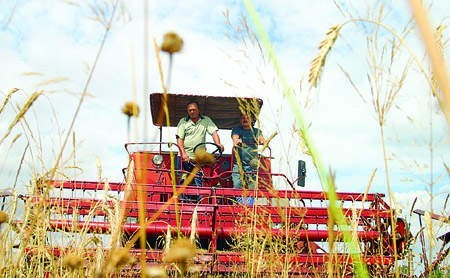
(58, 40)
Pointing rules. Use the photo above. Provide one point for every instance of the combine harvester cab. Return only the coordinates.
(284, 231)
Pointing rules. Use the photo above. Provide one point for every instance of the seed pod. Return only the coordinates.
(182, 250)
(72, 261)
(131, 109)
(3, 217)
(119, 257)
(155, 272)
(172, 43)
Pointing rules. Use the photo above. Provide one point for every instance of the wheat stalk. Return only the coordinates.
(21, 113)
(123, 210)
(324, 48)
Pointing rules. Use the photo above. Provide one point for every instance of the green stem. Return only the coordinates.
(128, 128)
(326, 181)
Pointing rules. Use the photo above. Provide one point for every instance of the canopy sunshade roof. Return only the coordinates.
(224, 111)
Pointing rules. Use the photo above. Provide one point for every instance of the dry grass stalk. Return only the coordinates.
(168, 240)
(116, 229)
(115, 217)
(429, 230)
(99, 257)
(324, 48)
(102, 10)
(31, 73)
(173, 199)
(42, 184)
(51, 81)
(21, 113)
(193, 225)
(438, 33)
(172, 43)
(436, 55)
(7, 98)
(265, 252)
(160, 71)
(142, 224)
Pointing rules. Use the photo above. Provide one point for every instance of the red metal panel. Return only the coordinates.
(236, 258)
(87, 185)
(159, 227)
(302, 195)
(301, 211)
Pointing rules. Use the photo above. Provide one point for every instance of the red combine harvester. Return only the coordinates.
(286, 230)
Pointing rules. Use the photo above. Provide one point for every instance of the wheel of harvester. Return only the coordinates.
(384, 247)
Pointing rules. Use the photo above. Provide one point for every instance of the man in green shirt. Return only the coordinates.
(191, 131)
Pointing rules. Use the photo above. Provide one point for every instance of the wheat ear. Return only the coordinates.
(438, 33)
(8, 96)
(21, 113)
(193, 225)
(435, 54)
(324, 48)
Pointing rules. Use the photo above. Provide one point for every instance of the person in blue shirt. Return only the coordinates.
(245, 149)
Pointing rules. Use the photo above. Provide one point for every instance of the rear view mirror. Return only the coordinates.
(301, 173)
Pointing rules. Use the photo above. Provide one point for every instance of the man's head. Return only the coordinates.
(247, 121)
(193, 110)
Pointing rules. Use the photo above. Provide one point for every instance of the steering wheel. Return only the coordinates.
(217, 152)
(210, 169)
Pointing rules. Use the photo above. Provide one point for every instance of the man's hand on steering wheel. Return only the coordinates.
(222, 148)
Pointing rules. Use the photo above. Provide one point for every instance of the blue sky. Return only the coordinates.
(58, 39)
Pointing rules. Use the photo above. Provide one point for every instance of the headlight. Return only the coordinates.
(157, 160)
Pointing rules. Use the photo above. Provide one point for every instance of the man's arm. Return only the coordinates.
(261, 140)
(180, 140)
(236, 140)
(183, 154)
(216, 140)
